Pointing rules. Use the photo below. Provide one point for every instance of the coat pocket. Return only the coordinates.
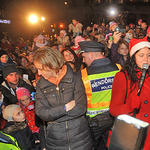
(68, 93)
(51, 96)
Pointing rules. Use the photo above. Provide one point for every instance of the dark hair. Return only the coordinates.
(131, 68)
(74, 19)
(22, 70)
(53, 44)
(76, 63)
(71, 51)
(95, 29)
(20, 58)
(123, 42)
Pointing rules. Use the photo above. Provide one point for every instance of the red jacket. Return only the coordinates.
(3, 122)
(30, 116)
(6, 46)
(117, 106)
(21, 45)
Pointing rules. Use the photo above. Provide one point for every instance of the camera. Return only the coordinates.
(120, 30)
(117, 29)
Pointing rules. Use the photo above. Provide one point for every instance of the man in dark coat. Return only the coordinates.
(11, 83)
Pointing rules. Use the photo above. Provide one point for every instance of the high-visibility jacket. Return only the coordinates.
(98, 89)
(7, 142)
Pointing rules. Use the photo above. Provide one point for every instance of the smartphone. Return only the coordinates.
(122, 30)
(25, 76)
(111, 38)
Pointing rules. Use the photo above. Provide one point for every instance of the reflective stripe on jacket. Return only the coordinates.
(98, 90)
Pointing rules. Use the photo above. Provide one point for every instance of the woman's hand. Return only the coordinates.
(116, 37)
(37, 141)
(34, 82)
(70, 105)
(109, 44)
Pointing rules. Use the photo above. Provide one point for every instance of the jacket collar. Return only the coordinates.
(69, 75)
(100, 62)
(68, 78)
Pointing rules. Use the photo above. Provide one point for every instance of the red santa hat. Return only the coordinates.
(137, 44)
(131, 24)
(140, 20)
(78, 39)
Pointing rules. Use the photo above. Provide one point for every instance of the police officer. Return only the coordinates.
(98, 78)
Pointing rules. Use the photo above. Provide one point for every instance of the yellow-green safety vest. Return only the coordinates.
(98, 90)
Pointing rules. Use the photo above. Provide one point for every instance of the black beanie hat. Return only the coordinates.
(2, 52)
(7, 69)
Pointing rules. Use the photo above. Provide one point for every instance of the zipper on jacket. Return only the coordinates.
(57, 88)
(67, 135)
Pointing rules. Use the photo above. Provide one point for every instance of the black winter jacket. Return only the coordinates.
(115, 56)
(65, 130)
(23, 136)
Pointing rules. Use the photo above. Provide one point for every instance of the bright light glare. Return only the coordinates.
(42, 18)
(112, 12)
(33, 18)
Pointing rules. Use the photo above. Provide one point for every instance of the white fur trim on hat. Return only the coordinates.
(138, 46)
(63, 32)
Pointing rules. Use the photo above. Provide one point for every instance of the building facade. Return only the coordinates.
(61, 12)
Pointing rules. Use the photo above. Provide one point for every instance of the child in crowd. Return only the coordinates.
(24, 100)
(4, 60)
(2, 120)
(18, 128)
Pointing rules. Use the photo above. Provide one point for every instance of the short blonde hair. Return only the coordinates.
(49, 57)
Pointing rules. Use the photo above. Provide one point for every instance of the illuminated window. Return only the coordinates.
(120, 1)
(134, 0)
(97, 1)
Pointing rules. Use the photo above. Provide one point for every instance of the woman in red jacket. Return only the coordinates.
(139, 50)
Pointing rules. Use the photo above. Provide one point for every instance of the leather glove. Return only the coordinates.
(135, 102)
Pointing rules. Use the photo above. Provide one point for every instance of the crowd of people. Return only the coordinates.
(65, 95)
